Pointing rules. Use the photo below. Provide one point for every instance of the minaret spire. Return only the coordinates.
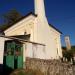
(39, 8)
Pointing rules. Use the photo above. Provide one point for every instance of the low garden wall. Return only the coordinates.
(50, 67)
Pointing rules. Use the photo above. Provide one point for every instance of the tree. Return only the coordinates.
(69, 54)
(10, 18)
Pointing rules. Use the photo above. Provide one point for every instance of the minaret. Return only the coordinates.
(67, 41)
(40, 8)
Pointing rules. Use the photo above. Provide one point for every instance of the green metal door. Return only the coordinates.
(19, 56)
(14, 54)
(10, 54)
(10, 61)
(20, 62)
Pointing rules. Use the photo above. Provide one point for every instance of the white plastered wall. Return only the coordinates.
(47, 35)
(2, 40)
(34, 50)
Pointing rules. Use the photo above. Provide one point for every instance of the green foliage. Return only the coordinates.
(10, 18)
(3, 27)
(73, 49)
(69, 54)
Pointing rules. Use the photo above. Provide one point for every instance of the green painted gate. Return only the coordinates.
(13, 54)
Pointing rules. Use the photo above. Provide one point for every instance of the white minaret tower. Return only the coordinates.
(67, 41)
(40, 8)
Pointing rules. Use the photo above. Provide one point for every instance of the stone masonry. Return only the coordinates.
(50, 67)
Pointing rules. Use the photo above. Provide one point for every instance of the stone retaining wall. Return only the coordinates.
(50, 67)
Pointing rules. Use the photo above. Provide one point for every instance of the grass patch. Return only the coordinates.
(26, 72)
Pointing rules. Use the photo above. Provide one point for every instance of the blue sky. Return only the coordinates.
(60, 13)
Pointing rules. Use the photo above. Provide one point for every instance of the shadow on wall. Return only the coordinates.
(1, 68)
(5, 70)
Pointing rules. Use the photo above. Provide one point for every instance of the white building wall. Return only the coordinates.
(59, 46)
(40, 32)
(29, 51)
(47, 35)
(1, 49)
(40, 52)
(24, 55)
(34, 50)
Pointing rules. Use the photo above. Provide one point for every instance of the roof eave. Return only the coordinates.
(56, 29)
(31, 13)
